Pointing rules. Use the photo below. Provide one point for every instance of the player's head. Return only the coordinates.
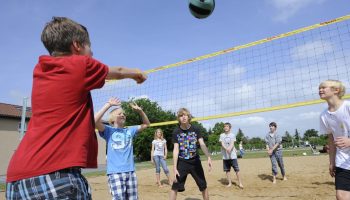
(117, 117)
(63, 36)
(158, 134)
(227, 127)
(184, 116)
(330, 87)
(273, 126)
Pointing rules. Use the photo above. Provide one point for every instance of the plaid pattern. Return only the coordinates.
(123, 186)
(276, 158)
(62, 184)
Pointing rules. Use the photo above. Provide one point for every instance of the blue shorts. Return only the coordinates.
(230, 163)
(62, 184)
(123, 185)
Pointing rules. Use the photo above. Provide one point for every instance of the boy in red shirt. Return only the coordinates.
(61, 135)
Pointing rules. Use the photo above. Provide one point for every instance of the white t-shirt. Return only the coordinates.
(338, 124)
(228, 139)
(158, 147)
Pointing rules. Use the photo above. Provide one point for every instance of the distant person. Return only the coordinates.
(121, 174)
(61, 137)
(241, 149)
(229, 154)
(159, 154)
(335, 121)
(185, 156)
(273, 146)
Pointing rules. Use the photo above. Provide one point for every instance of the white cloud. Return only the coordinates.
(288, 8)
(311, 50)
(309, 115)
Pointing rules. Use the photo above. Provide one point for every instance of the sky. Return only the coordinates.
(150, 34)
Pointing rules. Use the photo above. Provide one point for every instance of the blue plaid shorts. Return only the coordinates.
(123, 186)
(62, 184)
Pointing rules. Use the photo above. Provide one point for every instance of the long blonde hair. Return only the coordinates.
(161, 134)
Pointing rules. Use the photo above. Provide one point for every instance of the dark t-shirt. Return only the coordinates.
(187, 140)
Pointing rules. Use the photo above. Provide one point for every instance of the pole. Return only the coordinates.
(23, 118)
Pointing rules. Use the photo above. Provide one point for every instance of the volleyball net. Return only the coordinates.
(274, 73)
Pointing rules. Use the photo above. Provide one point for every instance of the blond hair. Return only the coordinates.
(112, 116)
(184, 111)
(335, 84)
(155, 134)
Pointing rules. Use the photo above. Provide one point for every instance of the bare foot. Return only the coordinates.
(285, 178)
(240, 186)
(160, 185)
(229, 185)
(274, 180)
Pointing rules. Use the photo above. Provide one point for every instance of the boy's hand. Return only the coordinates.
(209, 164)
(176, 174)
(342, 142)
(331, 170)
(114, 101)
(135, 107)
(270, 152)
(140, 76)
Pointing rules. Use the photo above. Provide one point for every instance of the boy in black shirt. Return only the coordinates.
(185, 156)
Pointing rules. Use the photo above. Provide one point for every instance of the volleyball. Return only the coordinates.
(201, 8)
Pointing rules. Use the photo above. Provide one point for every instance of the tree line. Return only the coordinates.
(143, 142)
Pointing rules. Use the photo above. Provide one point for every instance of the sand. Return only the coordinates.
(308, 178)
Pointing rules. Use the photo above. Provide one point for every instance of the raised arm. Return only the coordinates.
(145, 121)
(123, 72)
(98, 116)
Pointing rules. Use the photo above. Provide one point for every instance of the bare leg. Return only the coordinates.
(205, 194)
(239, 180)
(274, 179)
(228, 176)
(342, 194)
(158, 180)
(173, 194)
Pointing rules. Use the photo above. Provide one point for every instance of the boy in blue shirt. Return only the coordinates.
(120, 157)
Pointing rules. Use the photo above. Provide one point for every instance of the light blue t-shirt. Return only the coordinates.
(120, 154)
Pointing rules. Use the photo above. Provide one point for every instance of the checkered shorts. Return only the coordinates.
(123, 186)
(62, 184)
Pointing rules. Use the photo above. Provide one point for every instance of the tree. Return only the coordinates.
(297, 137)
(240, 137)
(143, 141)
(287, 139)
(218, 128)
(310, 133)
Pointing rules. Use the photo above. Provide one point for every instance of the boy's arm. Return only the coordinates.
(205, 151)
(175, 158)
(98, 116)
(165, 151)
(332, 152)
(123, 72)
(145, 121)
(152, 151)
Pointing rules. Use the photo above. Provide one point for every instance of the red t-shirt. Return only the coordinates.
(61, 132)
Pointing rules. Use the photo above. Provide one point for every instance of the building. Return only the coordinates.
(10, 123)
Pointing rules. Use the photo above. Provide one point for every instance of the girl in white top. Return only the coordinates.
(158, 155)
(335, 121)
